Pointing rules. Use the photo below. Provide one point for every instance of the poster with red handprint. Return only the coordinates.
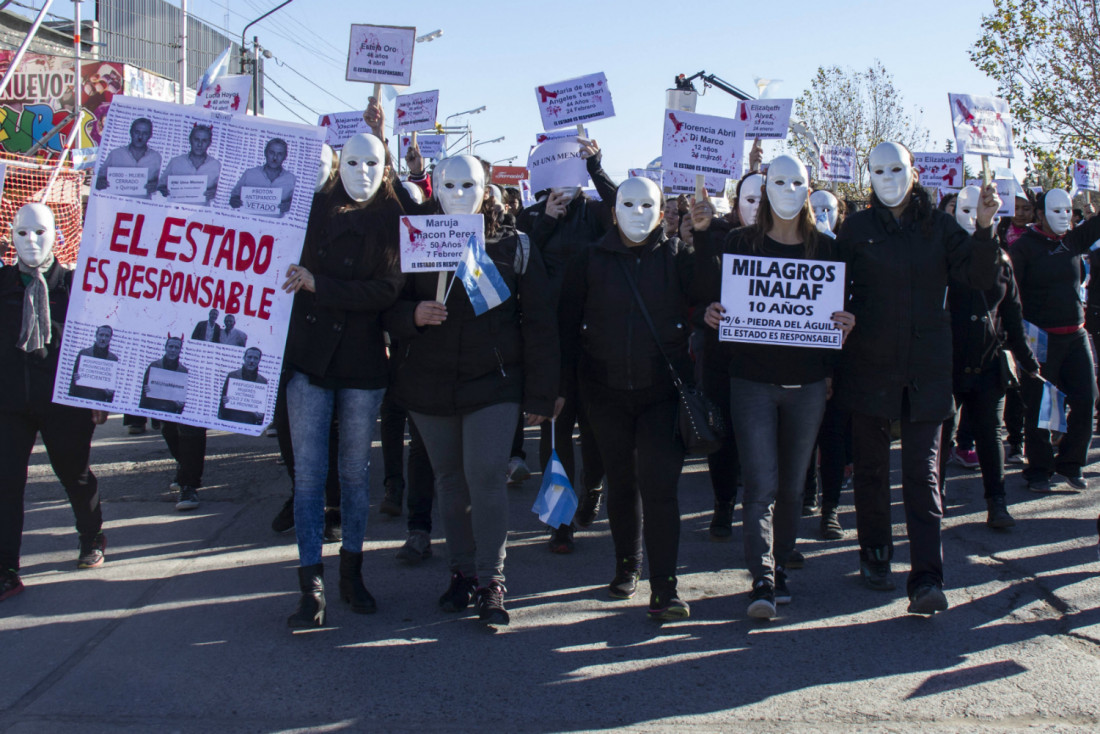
(836, 163)
(574, 101)
(983, 125)
(702, 144)
(381, 53)
(939, 170)
(1086, 175)
(416, 111)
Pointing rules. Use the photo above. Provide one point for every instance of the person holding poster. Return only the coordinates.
(34, 299)
(118, 170)
(84, 372)
(777, 392)
(192, 178)
(349, 273)
(464, 378)
(249, 372)
(253, 189)
(897, 363)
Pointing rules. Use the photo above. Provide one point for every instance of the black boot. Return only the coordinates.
(998, 516)
(721, 523)
(391, 502)
(874, 567)
(311, 607)
(830, 523)
(352, 589)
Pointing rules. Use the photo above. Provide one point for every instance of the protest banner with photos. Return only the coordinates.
(557, 163)
(186, 288)
(983, 125)
(340, 127)
(416, 111)
(766, 119)
(556, 135)
(1006, 190)
(227, 94)
(575, 101)
(381, 53)
(701, 144)
(838, 164)
(1086, 175)
(431, 146)
(783, 301)
(436, 242)
(939, 170)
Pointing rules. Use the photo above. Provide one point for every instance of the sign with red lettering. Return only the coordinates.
(177, 289)
(509, 175)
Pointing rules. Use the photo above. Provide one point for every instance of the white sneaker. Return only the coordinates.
(517, 470)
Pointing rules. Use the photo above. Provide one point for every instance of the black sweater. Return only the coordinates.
(1048, 272)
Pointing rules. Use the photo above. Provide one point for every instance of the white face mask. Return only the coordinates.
(891, 173)
(749, 200)
(826, 208)
(638, 208)
(324, 171)
(966, 208)
(496, 193)
(1058, 208)
(415, 191)
(788, 187)
(33, 234)
(459, 184)
(362, 165)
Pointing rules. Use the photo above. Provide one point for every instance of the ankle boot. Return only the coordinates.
(352, 589)
(874, 567)
(311, 607)
(830, 523)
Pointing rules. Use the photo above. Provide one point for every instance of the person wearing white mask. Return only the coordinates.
(464, 379)
(349, 273)
(34, 297)
(777, 393)
(828, 211)
(897, 362)
(1048, 264)
(624, 383)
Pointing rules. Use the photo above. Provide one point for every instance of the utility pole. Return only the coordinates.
(183, 52)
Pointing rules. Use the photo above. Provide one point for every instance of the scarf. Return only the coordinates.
(34, 334)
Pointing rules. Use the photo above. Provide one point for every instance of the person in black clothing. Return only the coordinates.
(897, 362)
(209, 330)
(1008, 231)
(625, 385)
(1048, 265)
(101, 349)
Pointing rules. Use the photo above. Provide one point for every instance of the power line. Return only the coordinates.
(303, 76)
(268, 78)
(288, 108)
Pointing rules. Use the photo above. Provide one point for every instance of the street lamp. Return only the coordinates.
(506, 160)
(468, 134)
(427, 37)
(486, 142)
(256, 57)
(467, 112)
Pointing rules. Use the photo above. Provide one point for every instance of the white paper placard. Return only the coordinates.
(340, 127)
(1086, 175)
(381, 53)
(575, 101)
(416, 111)
(246, 396)
(654, 176)
(96, 373)
(694, 144)
(557, 135)
(766, 119)
(682, 182)
(431, 146)
(128, 181)
(838, 164)
(940, 170)
(227, 94)
(261, 200)
(1006, 190)
(983, 125)
(188, 189)
(557, 163)
(167, 385)
(436, 242)
(782, 301)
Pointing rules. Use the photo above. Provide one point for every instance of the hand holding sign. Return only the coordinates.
(988, 206)
(415, 161)
(429, 313)
(702, 212)
(375, 117)
(298, 278)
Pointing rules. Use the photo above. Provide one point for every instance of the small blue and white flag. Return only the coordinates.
(556, 501)
(1037, 340)
(1052, 409)
(481, 278)
(220, 67)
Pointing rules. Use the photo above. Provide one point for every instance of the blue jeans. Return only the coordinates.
(311, 410)
(776, 428)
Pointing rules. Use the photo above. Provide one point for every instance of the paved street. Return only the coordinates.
(183, 629)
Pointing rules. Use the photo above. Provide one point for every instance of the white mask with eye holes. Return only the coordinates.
(33, 233)
(415, 192)
(459, 184)
(324, 171)
(966, 208)
(1058, 209)
(891, 169)
(362, 166)
(749, 200)
(826, 208)
(788, 187)
(638, 208)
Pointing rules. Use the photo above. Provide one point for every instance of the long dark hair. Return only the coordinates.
(807, 227)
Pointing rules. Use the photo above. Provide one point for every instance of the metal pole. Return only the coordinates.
(78, 99)
(255, 75)
(183, 51)
(24, 46)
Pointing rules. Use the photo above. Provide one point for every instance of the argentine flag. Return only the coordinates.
(1052, 409)
(556, 501)
(1037, 340)
(481, 278)
(220, 67)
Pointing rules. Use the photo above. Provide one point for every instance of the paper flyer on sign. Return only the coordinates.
(340, 127)
(1006, 190)
(436, 242)
(575, 101)
(766, 119)
(784, 301)
(227, 94)
(416, 111)
(1086, 175)
(431, 146)
(939, 170)
(701, 144)
(838, 164)
(171, 296)
(381, 53)
(682, 182)
(557, 163)
(557, 135)
(983, 125)
(654, 176)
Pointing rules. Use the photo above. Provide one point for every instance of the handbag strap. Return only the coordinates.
(649, 322)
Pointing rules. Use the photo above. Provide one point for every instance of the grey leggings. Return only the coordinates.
(469, 454)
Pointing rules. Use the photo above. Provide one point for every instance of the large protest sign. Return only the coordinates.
(557, 163)
(838, 164)
(436, 242)
(575, 101)
(683, 182)
(189, 291)
(771, 300)
(431, 146)
(701, 144)
(983, 125)
(556, 135)
(340, 127)
(1086, 175)
(652, 175)
(416, 111)
(766, 119)
(381, 54)
(227, 94)
(939, 170)
(1007, 190)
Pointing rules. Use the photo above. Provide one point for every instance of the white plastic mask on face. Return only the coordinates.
(966, 208)
(1058, 209)
(638, 208)
(415, 191)
(459, 184)
(788, 187)
(825, 206)
(324, 171)
(891, 173)
(33, 233)
(362, 166)
(749, 200)
(496, 193)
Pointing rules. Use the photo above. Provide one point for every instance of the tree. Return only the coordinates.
(855, 108)
(1045, 57)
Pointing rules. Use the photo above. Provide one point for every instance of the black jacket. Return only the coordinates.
(1048, 272)
(897, 285)
(507, 354)
(336, 333)
(27, 379)
(603, 332)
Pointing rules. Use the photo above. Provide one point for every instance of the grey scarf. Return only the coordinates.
(35, 332)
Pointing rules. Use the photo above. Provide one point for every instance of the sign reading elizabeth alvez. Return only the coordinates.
(771, 300)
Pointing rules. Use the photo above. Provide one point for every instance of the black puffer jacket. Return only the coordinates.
(897, 276)
(603, 331)
(27, 379)
(1048, 272)
(336, 333)
(507, 354)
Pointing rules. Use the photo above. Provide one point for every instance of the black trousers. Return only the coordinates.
(724, 465)
(517, 439)
(982, 404)
(420, 487)
(832, 454)
(643, 458)
(920, 487)
(1014, 416)
(187, 444)
(1069, 366)
(573, 412)
(67, 435)
(281, 420)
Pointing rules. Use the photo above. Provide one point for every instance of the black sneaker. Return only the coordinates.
(874, 569)
(391, 502)
(334, 527)
(589, 509)
(91, 551)
(284, 521)
(1039, 486)
(831, 528)
(10, 583)
(927, 600)
(997, 515)
(188, 498)
(665, 605)
(795, 561)
(625, 583)
(490, 604)
(417, 547)
(761, 600)
(561, 540)
(459, 594)
(721, 523)
(1076, 481)
(782, 593)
